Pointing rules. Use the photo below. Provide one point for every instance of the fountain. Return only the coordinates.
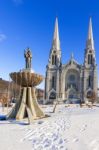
(27, 79)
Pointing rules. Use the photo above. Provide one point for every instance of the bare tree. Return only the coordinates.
(92, 97)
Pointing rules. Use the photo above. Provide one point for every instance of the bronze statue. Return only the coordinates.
(28, 58)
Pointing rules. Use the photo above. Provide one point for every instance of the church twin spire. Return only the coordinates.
(55, 54)
(56, 40)
(90, 41)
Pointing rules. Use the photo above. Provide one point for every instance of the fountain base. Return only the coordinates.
(27, 99)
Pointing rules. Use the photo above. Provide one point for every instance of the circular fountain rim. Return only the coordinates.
(27, 70)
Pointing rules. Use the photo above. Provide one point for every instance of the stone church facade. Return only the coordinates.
(71, 81)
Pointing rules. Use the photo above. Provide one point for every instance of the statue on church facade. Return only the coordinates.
(28, 58)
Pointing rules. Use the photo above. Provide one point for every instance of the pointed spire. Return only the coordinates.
(56, 41)
(90, 41)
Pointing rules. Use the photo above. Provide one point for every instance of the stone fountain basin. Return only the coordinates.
(26, 79)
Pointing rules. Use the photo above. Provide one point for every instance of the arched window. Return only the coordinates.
(53, 82)
(52, 59)
(55, 59)
(72, 78)
(71, 81)
(89, 81)
(90, 59)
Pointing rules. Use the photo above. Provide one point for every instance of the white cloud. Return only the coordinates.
(2, 37)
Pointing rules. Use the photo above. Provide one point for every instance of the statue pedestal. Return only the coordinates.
(27, 98)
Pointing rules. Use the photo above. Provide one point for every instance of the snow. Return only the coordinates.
(69, 128)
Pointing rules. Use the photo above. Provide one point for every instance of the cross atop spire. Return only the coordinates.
(90, 41)
(56, 41)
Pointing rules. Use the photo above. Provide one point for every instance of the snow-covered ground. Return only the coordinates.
(72, 128)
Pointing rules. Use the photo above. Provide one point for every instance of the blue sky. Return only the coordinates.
(30, 23)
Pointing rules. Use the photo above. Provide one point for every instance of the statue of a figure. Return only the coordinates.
(28, 57)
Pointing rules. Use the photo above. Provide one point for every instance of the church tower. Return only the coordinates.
(52, 80)
(90, 68)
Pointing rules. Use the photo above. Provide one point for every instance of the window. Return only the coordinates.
(71, 78)
(55, 59)
(89, 81)
(53, 82)
(71, 82)
(90, 59)
(52, 59)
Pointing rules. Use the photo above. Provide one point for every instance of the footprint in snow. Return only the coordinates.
(75, 140)
(40, 122)
(60, 141)
(54, 147)
(66, 140)
(83, 127)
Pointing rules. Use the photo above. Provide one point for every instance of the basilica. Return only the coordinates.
(72, 81)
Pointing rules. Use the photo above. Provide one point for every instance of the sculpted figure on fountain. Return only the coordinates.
(28, 58)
